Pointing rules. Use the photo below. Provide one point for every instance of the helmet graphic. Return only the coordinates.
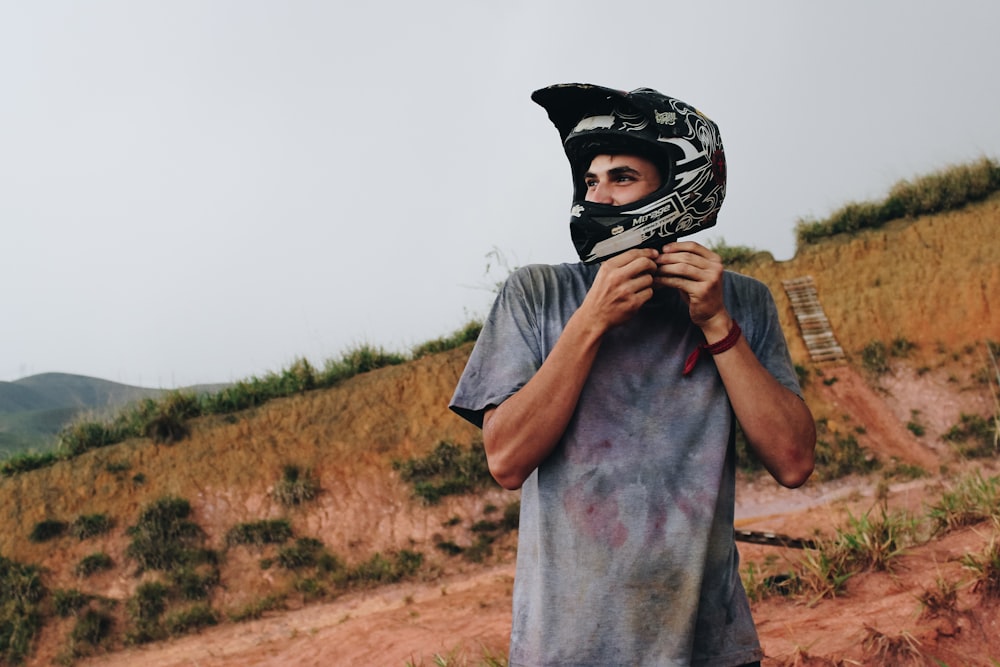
(684, 144)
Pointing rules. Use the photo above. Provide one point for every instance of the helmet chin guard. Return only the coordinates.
(682, 142)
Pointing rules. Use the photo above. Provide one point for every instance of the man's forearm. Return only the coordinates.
(777, 424)
(521, 432)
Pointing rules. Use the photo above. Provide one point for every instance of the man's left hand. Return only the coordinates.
(697, 272)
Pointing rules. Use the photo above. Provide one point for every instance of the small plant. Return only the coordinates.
(257, 608)
(145, 609)
(21, 591)
(258, 533)
(511, 516)
(90, 525)
(193, 583)
(972, 500)
(448, 547)
(448, 470)
(732, 254)
(92, 563)
(914, 426)
(26, 462)
(68, 602)
(901, 649)
(974, 436)
(305, 552)
(873, 542)
(191, 619)
(92, 629)
(467, 334)
(46, 530)
(843, 457)
(380, 569)
(296, 486)
(759, 586)
(875, 358)
(987, 570)
(164, 537)
(942, 602)
(901, 347)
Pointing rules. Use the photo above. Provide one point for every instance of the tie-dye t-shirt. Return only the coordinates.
(625, 551)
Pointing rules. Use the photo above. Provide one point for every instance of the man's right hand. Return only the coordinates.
(623, 284)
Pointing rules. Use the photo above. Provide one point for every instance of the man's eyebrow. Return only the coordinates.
(614, 171)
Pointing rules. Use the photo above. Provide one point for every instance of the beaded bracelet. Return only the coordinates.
(717, 347)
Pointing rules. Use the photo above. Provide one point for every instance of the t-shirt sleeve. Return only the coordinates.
(507, 353)
(758, 317)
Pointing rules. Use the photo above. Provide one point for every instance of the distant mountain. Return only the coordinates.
(49, 391)
(34, 409)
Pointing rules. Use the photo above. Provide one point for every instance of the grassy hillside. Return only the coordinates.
(325, 489)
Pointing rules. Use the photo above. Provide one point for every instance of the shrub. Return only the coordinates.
(511, 516)
(732, 254)
(875, 358)
(987, 570)
(163, 537)
(190, 619)
(193, 584)
(268, 531)
(972, 500)
(90, 525)
(21, 590)
(92, 563)
(92, 629)
(448, 470)
(26, 462)
(296, 486)
(358, 360)
(47, 530)
(68, 602)
(380, 570)
(144, 609)
(257, 608)
(974, 436)
(305, 552)
(842, 458)
(467, 334)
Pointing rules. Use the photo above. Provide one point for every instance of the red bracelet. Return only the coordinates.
(717, 347)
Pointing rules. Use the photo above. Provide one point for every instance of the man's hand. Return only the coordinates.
(696, 272)
(622, 285)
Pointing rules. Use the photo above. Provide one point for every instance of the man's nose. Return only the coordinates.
(599, 194)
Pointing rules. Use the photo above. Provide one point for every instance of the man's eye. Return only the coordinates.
(590, 183)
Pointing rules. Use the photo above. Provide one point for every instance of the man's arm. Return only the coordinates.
(521, 432)
(778, 424)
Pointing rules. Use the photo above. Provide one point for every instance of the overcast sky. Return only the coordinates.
(201, 191)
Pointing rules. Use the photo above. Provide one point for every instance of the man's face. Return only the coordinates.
(620, 179)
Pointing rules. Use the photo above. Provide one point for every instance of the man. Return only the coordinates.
(609, 391)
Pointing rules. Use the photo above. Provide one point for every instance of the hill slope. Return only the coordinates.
(876, 286)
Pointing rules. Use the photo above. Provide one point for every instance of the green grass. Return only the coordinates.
(165, 420)
(296, 486)
(259, 533)
(448, 470)
(164, 538)
(21, 619)
(90, 525)
(93, 563)
(731, 254)
(948, 189)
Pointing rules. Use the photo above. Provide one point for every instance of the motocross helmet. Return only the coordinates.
(683, 143)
